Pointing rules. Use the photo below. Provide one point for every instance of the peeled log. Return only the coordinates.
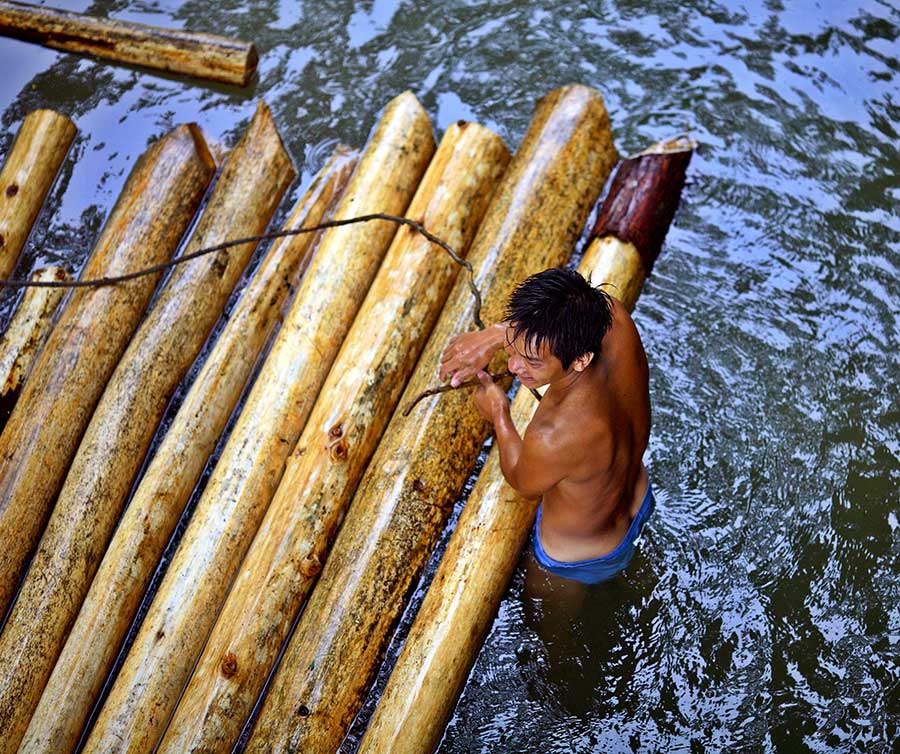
(354, 405)
(483, 552)
(253, 180)
(42, 434)
(205, 56)
(28, 173)
(420, 466)
(134, 552)
(247, 474)
(27, 331)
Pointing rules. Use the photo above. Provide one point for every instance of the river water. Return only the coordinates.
(762, 611)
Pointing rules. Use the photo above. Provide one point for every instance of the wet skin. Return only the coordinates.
(582, 451)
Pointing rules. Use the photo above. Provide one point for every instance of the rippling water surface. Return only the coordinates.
(762, 612)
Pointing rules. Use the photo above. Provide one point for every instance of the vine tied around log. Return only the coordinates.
(117, 279)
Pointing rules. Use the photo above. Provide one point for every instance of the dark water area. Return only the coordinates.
(762, 611)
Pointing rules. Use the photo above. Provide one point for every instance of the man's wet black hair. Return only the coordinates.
(562, 309)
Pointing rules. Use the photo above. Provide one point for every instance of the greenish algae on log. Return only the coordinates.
(206, 56)
(155, 208)
(141, 536)
(354, 405)
(28, 173)
(481, 557)
(242, 485)
(28, 329)
(247, 193)
(408, 490)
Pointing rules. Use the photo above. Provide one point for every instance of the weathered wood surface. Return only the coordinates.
(643, 198)
(27, 176)
(354, 405)
(132, 556)
(408, 490)
(484, 550)
(28, 329)
(243, 483)
(253, 180)
(155, 208)
(150, 519)
(205, 56)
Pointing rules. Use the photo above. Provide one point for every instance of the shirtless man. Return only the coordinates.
(581, 453)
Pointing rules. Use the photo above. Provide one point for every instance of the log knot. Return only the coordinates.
(12, 190)
(229, 665)
(310, 566)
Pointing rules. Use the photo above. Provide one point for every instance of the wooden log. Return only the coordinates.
(250, 468)
(204, 56)
(27, 331)
(253, 180)
(408, 490)
(42, 434)
(340, 436)
(150, 519)
(28, 173)
(481, 557)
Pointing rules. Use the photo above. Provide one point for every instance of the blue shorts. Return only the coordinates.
(595, 570)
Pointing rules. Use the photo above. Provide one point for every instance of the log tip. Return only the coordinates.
(408, 101)
(60, 120)
(644, 196)
(204, 154)
(251, 61)
(51, 273)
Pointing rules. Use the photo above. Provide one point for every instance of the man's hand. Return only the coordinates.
(490, 400)
(470, 352)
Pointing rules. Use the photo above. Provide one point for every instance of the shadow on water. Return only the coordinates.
(762, 610)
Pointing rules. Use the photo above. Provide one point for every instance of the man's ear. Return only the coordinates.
(583, 361)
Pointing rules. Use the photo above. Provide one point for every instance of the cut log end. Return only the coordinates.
(644, 196)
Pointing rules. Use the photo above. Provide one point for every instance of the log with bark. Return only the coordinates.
(132, 556)
(254, 178)
(28, 329)
(155, 208)
(420, 466)
(27, 176)
(353, 407)
(250, 468)
(205, 56)
(475, 570)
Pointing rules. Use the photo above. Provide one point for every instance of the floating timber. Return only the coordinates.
(242, 485)
(475, 570)
(26, 333)
(205, 56)
(254, 178)
(151, 517)
(353, 407)
(42, 434)
(419, 468)
(28, 173)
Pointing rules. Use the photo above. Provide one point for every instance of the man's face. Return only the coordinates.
(533, 366)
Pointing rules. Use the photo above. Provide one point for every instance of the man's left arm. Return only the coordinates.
(529, 464)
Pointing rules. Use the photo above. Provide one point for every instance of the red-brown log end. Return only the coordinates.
(643, 198)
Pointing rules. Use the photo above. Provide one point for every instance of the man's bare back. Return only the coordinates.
(582, 451)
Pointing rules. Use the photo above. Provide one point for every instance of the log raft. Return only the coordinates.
(205, 56)
(242, 485)
(247, 193)
(481, 557)
(131, 558)
(407, 492)
(27, 331)
(37, 445)
(27, 176)
(353, 407)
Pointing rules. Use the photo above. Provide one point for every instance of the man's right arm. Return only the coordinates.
(470, 352)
